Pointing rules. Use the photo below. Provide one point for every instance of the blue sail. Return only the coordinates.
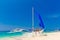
(41, 24)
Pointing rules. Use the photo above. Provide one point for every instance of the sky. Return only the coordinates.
(18, 14)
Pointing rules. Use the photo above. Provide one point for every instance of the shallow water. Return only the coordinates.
(6, 34)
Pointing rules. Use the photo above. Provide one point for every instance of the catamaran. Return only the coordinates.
(37, 30)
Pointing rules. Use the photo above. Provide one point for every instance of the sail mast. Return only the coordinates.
(32, 18)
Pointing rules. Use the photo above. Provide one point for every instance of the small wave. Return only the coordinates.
(16, 30)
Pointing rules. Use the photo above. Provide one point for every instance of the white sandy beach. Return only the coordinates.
(31, 36)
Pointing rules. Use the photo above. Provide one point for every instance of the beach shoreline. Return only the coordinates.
(30, 36)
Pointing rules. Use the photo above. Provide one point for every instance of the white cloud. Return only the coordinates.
(54, 16)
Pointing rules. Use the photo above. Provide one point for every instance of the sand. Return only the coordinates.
(32, 36)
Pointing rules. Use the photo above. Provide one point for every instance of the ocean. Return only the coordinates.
(12, 34)
(6, 34)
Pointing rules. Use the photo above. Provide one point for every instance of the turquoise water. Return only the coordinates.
(6, 34)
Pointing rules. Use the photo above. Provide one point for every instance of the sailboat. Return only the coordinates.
(37, 30)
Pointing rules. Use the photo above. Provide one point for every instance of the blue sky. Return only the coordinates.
(17, 13)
